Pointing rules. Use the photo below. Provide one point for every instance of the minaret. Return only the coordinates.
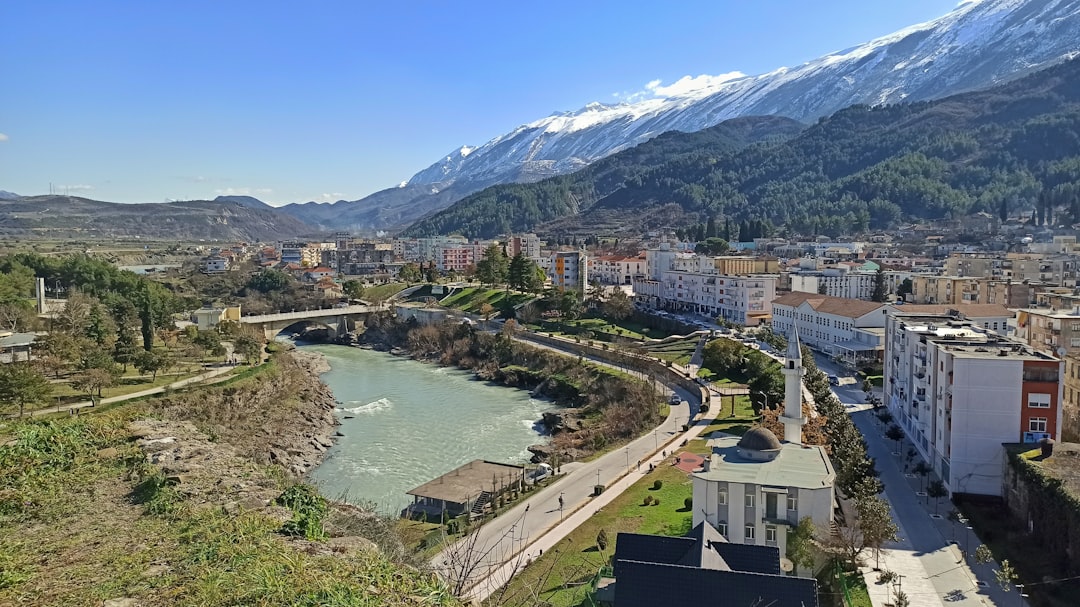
(793, 371)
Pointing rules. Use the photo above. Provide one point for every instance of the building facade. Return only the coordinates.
(616, 269)
(959, 392)
(570, 271)
(852, 329)
(755, 488)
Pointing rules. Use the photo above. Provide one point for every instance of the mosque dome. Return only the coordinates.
(759, 444)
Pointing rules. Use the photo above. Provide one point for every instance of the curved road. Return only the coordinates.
(499, 549)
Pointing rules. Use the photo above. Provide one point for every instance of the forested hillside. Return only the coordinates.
(501, 208)
(1004, 150)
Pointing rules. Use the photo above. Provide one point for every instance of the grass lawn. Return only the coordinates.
(382, 292)
(473, 299)
(562, 575)
(127, 384)
(860, 596)
(678, 352)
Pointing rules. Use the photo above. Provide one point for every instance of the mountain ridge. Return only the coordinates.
(976, 45)
(1015, 145)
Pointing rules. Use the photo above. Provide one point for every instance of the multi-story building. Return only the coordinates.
(754, 489)
(691, 283)
(305, 254)
(732, 265)
(1051, 330)
(852, 329)
(360, 259)
(616, 269)
(527, 245)
(969, 290)
(960, 392)
(570, 271)
(989, 317)
(834, 283)
(457, 257)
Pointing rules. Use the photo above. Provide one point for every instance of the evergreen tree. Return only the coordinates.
(518, 276)
(125, 349)
(710, 228)
(494, 266)
(880, 291)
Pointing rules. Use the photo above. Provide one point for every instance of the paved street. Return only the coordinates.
(517, 531)
(934, 572)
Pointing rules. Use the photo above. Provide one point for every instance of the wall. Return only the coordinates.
(1045, 507)
(985, 414)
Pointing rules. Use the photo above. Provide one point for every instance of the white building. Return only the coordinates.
(528, 245)
(691, 283)
(959, 392)
(853, 329)
(616, 269)
(570, 270)
(755, 488)
(216, 265)
(835, 282)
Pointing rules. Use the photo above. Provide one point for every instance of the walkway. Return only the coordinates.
(934, 571)
(545, 527)
(208, 375)
(505, 543)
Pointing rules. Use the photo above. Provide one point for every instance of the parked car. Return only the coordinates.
(834, 380)
(675, 399)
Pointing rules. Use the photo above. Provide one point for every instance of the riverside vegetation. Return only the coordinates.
(188, 500)
(603, 406)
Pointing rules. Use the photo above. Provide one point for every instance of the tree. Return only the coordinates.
(21, 385)
(354, 289)
(149, 362)
(519, 272)
(881, 292)
(937, 491)
(983, 554)
(92, 381)
(1006, 575)
(618, 306)
(800, 543)
(73, 317)
(494, 267)
(712, 246)
(210, 340)
(249, 346)
(904, 289)
(602, 540)
(16, 315)
(269, 281)
(875, 524)
(922, 469)
(125, 349)
(895, 434)
(100, 327)
(410, 273)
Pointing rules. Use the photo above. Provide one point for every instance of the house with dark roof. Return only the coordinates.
(702, 568)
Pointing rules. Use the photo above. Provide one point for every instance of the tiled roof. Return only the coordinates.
(837, 306)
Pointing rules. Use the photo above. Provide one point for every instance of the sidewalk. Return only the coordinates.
(533, 547)
(934, 569)
(212, 373)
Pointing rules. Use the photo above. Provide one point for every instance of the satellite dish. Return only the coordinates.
(786, 565)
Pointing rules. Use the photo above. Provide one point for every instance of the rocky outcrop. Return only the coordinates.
(283, 416)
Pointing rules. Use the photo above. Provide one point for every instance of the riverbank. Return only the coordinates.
(610, 407)
(283, 414)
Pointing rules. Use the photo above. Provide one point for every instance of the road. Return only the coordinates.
(498, 548)
(932, 566)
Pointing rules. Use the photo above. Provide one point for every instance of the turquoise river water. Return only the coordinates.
(413, 421)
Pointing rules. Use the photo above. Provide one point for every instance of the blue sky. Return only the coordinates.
(143, 101)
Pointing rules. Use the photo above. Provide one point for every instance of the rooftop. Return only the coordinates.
(464, 482)
(825, 304)
(803, 466)
(967, 310)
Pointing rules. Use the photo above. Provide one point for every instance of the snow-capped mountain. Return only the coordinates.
(976, 45)
(980, 43)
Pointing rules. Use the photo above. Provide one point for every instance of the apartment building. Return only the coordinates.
(692, 284)
(960, 392)
(852, 329)
(834, 283)
(616, 269)
(744, 264)
(457, 257)
(526, 245)
(570, 270)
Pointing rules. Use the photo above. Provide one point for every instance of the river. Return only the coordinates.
(413, 421)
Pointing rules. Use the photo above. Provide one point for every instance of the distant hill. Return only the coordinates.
(5, 195)
(1009, 148)
(74, 217)
(245, 201)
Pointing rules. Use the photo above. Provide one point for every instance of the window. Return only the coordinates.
(1039, 401)
(1037, 424)
(792, 502)
(722, 528)
(770, 534)
(721, 497)
(749, 500)
(750, 532)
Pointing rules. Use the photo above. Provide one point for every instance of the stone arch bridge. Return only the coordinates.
(337, 320)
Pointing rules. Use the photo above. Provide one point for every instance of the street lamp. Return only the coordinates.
(766, 396)
(628, 458)
(598, 476)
